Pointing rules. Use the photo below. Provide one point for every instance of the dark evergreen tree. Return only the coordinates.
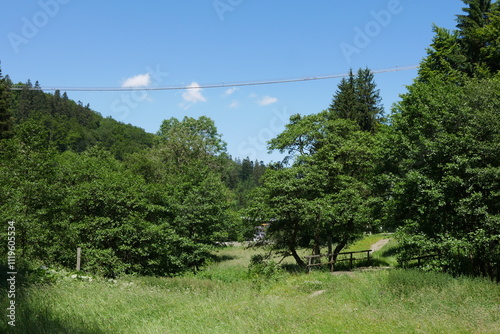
(258, 170)
(6, 119)
(344, 101)
(469, 51)
(246, 169)
(369, 103)
(358, 99)
(24, 102)
(468, 25)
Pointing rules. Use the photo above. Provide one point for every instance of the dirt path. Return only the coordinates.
(379, 244)
(375, 247)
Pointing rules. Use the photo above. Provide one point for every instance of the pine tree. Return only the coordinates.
(344, 101)
(358, 99)
(369, 103)
(6, 119)
(472, 50)
(477, 17)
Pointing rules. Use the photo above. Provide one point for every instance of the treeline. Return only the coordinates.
(431, 171)
(133, 201)
(157, 204)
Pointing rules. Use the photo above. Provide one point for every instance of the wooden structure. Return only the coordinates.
(78, 257)
(350, 257)
(420, 258)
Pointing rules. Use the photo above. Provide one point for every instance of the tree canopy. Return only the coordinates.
(441, 153)
(321, 199)
(469, 51)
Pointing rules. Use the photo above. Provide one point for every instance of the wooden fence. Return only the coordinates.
(331, 262)
(420, 258)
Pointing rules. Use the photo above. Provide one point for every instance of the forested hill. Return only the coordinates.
(70, 125)
(134, 202)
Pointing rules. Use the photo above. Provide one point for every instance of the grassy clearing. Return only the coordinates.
(367, 242)
(223, 299)
(394, 301)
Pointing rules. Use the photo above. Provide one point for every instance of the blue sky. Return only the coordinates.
(74, 43)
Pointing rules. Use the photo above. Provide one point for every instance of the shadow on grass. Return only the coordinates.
(293, 268)
(345, 265)
(32, 318)
(390, 251)
(221, 258)
(411, 281)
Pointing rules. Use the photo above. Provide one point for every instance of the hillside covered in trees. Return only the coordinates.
(157, 204)
(134, 202)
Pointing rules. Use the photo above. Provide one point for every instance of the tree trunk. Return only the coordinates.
(330, 246)
(338, 248)
(297, 258)
(316, 249)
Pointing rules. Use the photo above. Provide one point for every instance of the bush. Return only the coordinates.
(261, 267)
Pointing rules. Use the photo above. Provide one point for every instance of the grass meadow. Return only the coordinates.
(226, 298)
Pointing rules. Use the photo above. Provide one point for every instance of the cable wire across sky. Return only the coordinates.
(206, 86)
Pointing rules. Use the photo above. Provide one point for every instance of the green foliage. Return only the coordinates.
(445, 142)
(71, 126)
(6, 119)
(191, 140)
(158, 204)
(241, 177)
(470, 26)
(121, 139)
(124, 222)
(262, 268)
(358, 99)
(445, 58)
(323, 198)
(188, 161)
(469, 51)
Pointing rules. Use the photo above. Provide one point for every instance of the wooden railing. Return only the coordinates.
(332, 262)
(420, 258)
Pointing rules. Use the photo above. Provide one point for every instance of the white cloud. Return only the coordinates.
(141, 80)
(266, 100)
(252, 95)
(230, 91)
(192, 95)
(234, 104)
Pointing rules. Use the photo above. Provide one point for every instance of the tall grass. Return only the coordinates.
(396, 301)
(224, 299)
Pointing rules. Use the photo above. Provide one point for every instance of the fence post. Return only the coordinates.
(78, 255)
